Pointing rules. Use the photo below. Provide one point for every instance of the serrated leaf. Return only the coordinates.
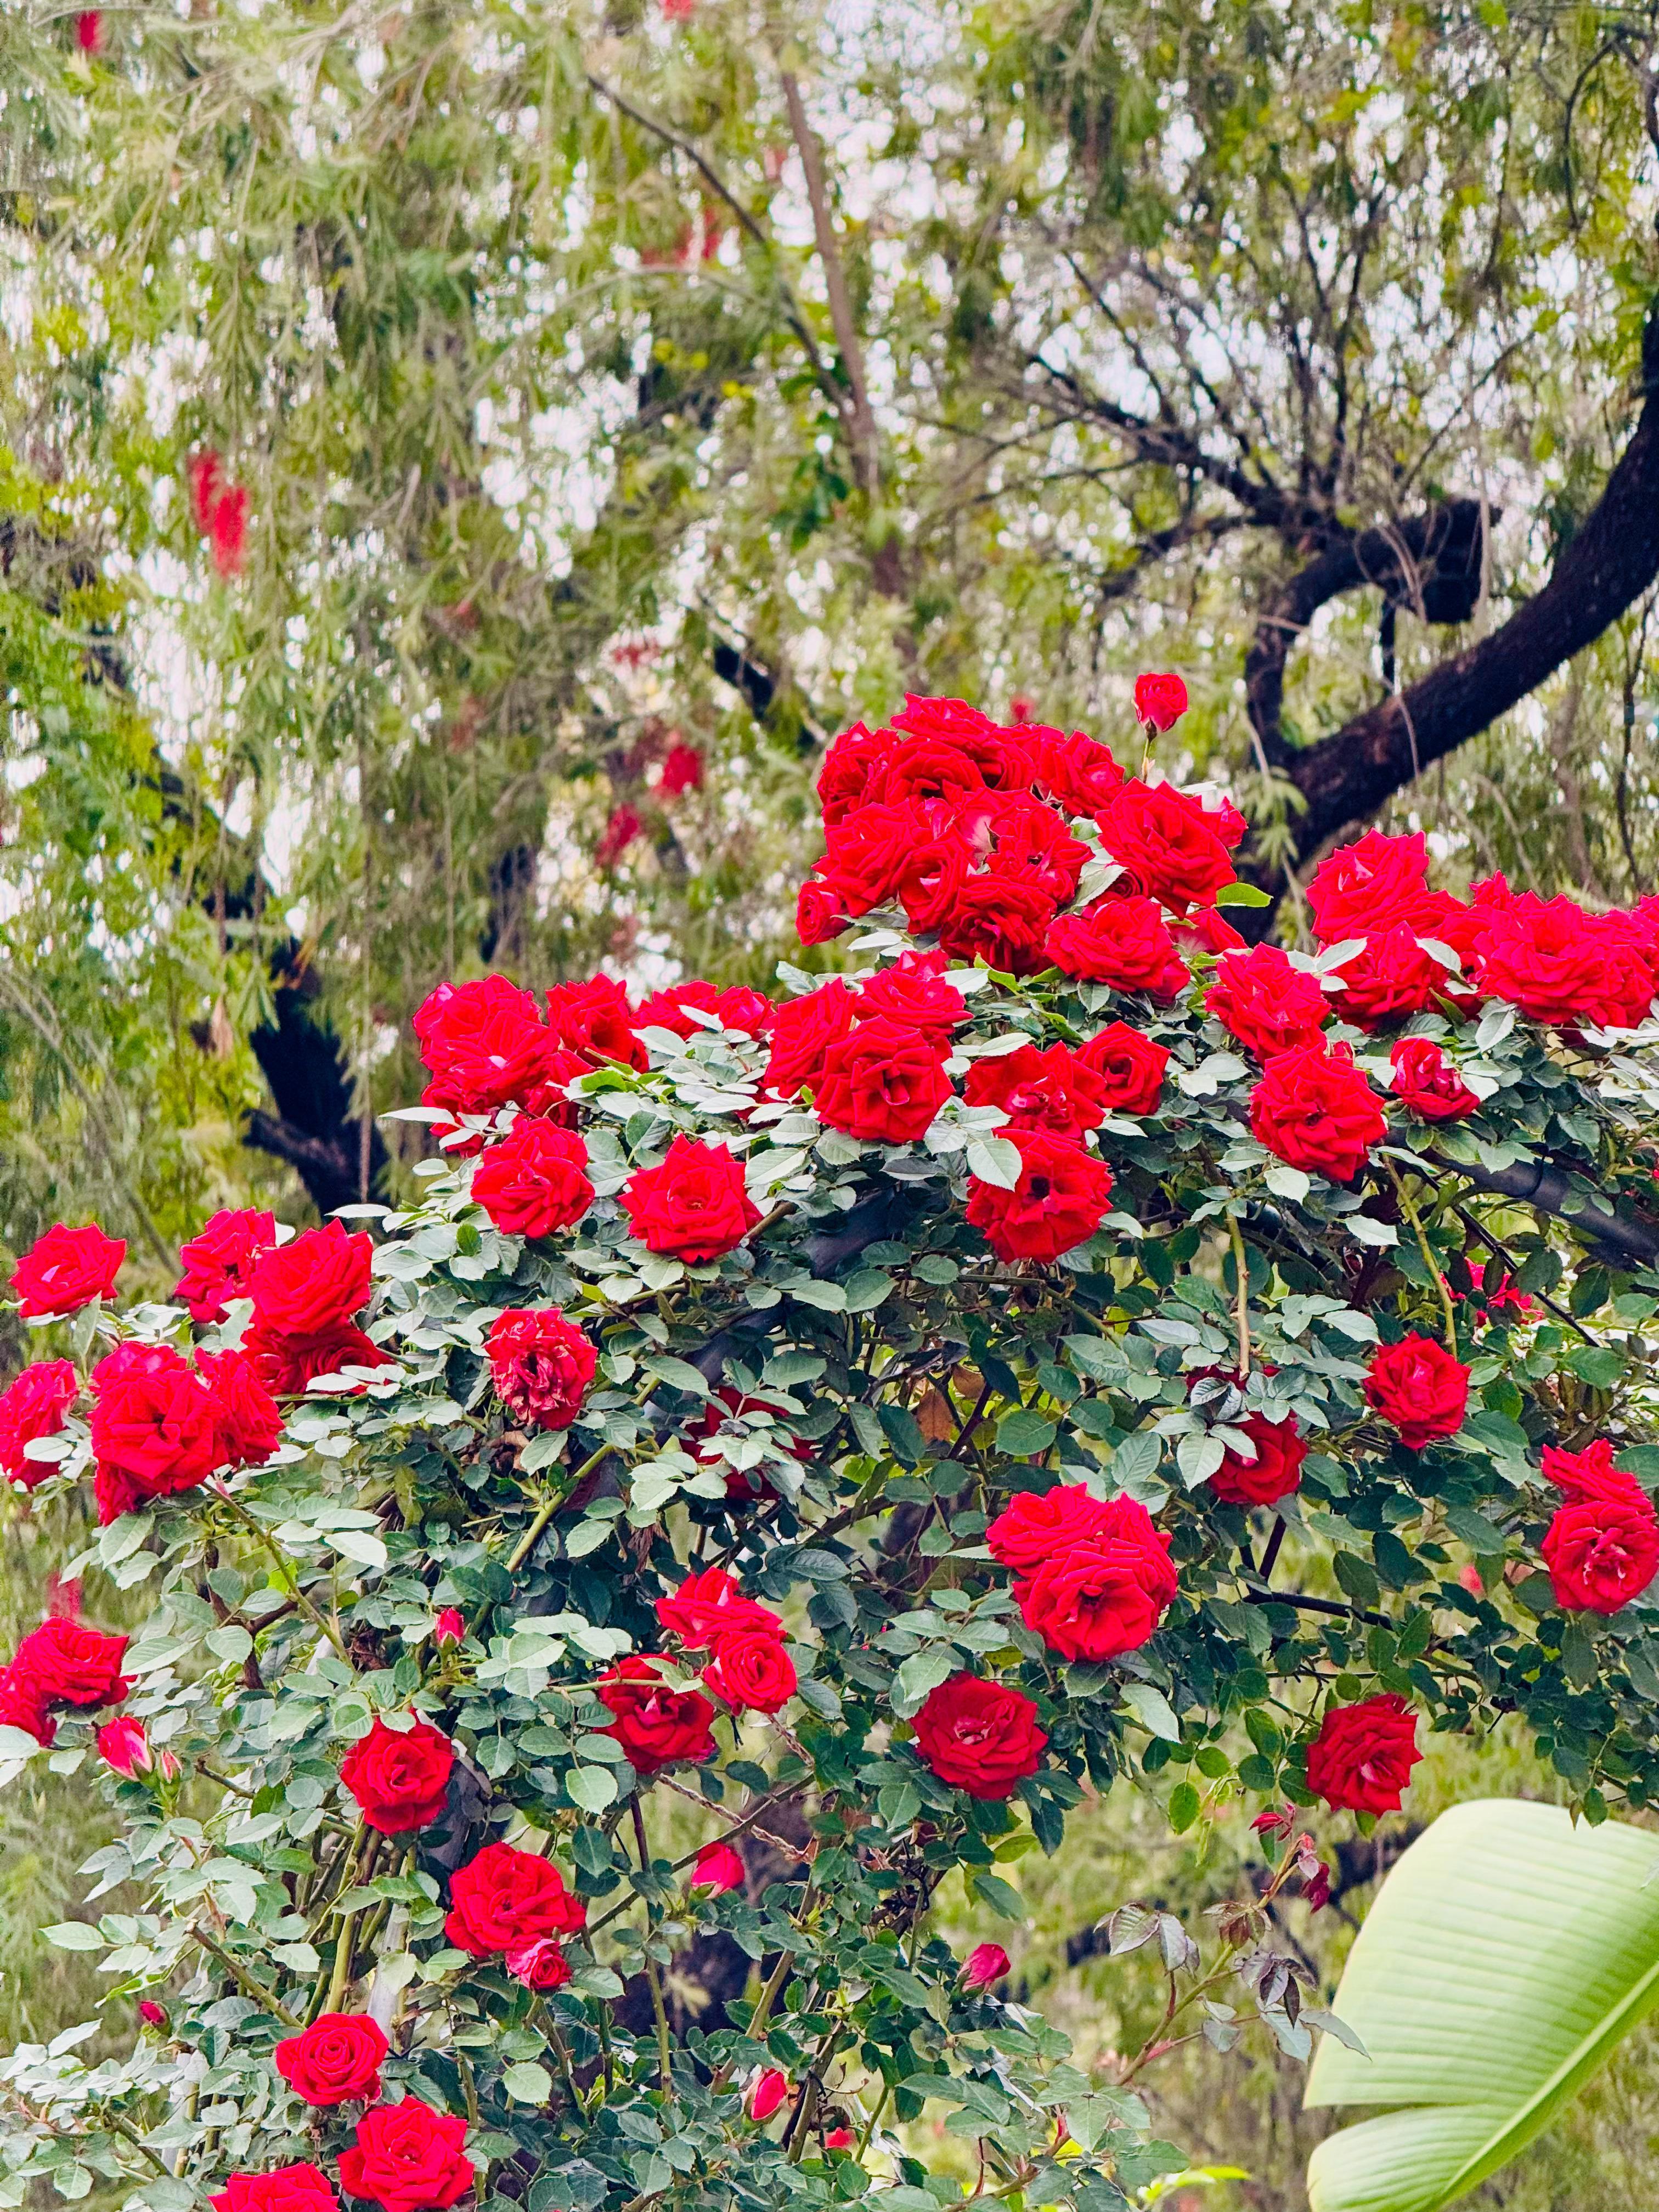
(995, 1160)
(592, 1788)
(1152, 1709)
(526, 2083)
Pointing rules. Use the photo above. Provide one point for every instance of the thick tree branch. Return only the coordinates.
(1611, 561)
(1630, 1239)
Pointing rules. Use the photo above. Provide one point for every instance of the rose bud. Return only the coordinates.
(718, 1869)
(124, 1747)
(151, 2014)
(840, 2139)
(769, 2091)
(986, 1965)
(540, 1965)
(449, 1627)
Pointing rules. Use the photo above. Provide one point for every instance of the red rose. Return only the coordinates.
(592, 1018)
(1120, 941)
(695, 1205)
(1544, 957)
(819, 914)
(219, 1259)
(312, 1286)
(882, 1082)
(1265, 1002)
(1127, 1069)
(931, 769)
(285, 2189)
(152, 1425)
(1104, 1593)
(1315, 1110)
(935, 873)
(542, 1365)
(1001, 920)
(336, 2061)
(622, 825)
(1057, 1090)
(35, 1405)
(1022, 840)
(986, 1964)
(1425, 1081)
(718, 1869)
(504, 1898)
(682, 771)
(746, 1010)
(1079, 773)
(1370, 885)
(399, 1776)
(61, 1663)
(287, 1365)
(1364, 1754)
(1056, 1205)
(67, 1269)
(656, 1727)
(666, 1010)
(709, 1607)
(248, 1426)
(1160, 701)
(1602, 1548)
(1393, 975)
(1166, 844)
(1419, 1389)
(865, 854)
(1035, 1523)
(408, 2158)
(979, 1736)
(914, 992)
(540, 1965)
(534, 1182)
(751, 1673)
(1274, 1473)
(125, 1746)
(22, 1707)
(1003, 759)
(803, 1033)
(854, 772)
(485, 1045)
(766, 2093)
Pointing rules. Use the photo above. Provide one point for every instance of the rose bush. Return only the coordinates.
(1067, 1344)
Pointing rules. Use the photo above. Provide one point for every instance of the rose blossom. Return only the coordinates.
(298, 2188)
(1166, 843)
(882, 1083)
(1001, 920)
(766, 2093)
(1363, 1755)
(449, 1627)
(820, 914)
(1366, 887)
(1314, 1110)
(694, 1206)
(61, 1663)
(1057, 1090)
(592, 1019)
(502, 1898)
(979, 1736)
(1276, 1470)
(124, 1745)
(656, 1727)
(1266, 1003)
(1427, 1084)
(407, 2158)
(534, 1182)
(1160, 699)
(751, 1673)
(1124, 942)
(153, 1431)
(1035, 1523)
(1392, 976)
(65, 1270)
(1602, 1548)
(718, 1869)
(803, 1033)
(1105, 1592)
(709, 1606)
(399, 1776)
(1057, 1203)
(1128, 1068)
(335, 2061)
(913, 991)
(542, 1365)
(35, 1405)
(1419, 1389)
(985, 1963)
(248, 1426)
(218, 1261)
(540, 1965)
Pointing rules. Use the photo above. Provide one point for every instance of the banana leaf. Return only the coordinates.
(1505, 1954)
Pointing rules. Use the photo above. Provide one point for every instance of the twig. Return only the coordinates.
(665, 2040)
(1436, 1274)
(285, 1568)
(244, 1981)
(1240, 1268)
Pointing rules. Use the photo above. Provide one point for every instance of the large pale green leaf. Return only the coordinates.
(1504, 1956)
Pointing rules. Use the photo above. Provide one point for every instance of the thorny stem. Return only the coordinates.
(1241, 1268)
(532, 1535)
(285, 1567)
(244, 1981)
(1436, 1274)
(665, 2040)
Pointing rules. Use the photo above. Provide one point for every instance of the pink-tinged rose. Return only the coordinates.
(449, 1627)
(539, 1964)
(151, 2014)
(986, 1964)
(718, 1869)
(767, 2093)
(124, 1745)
